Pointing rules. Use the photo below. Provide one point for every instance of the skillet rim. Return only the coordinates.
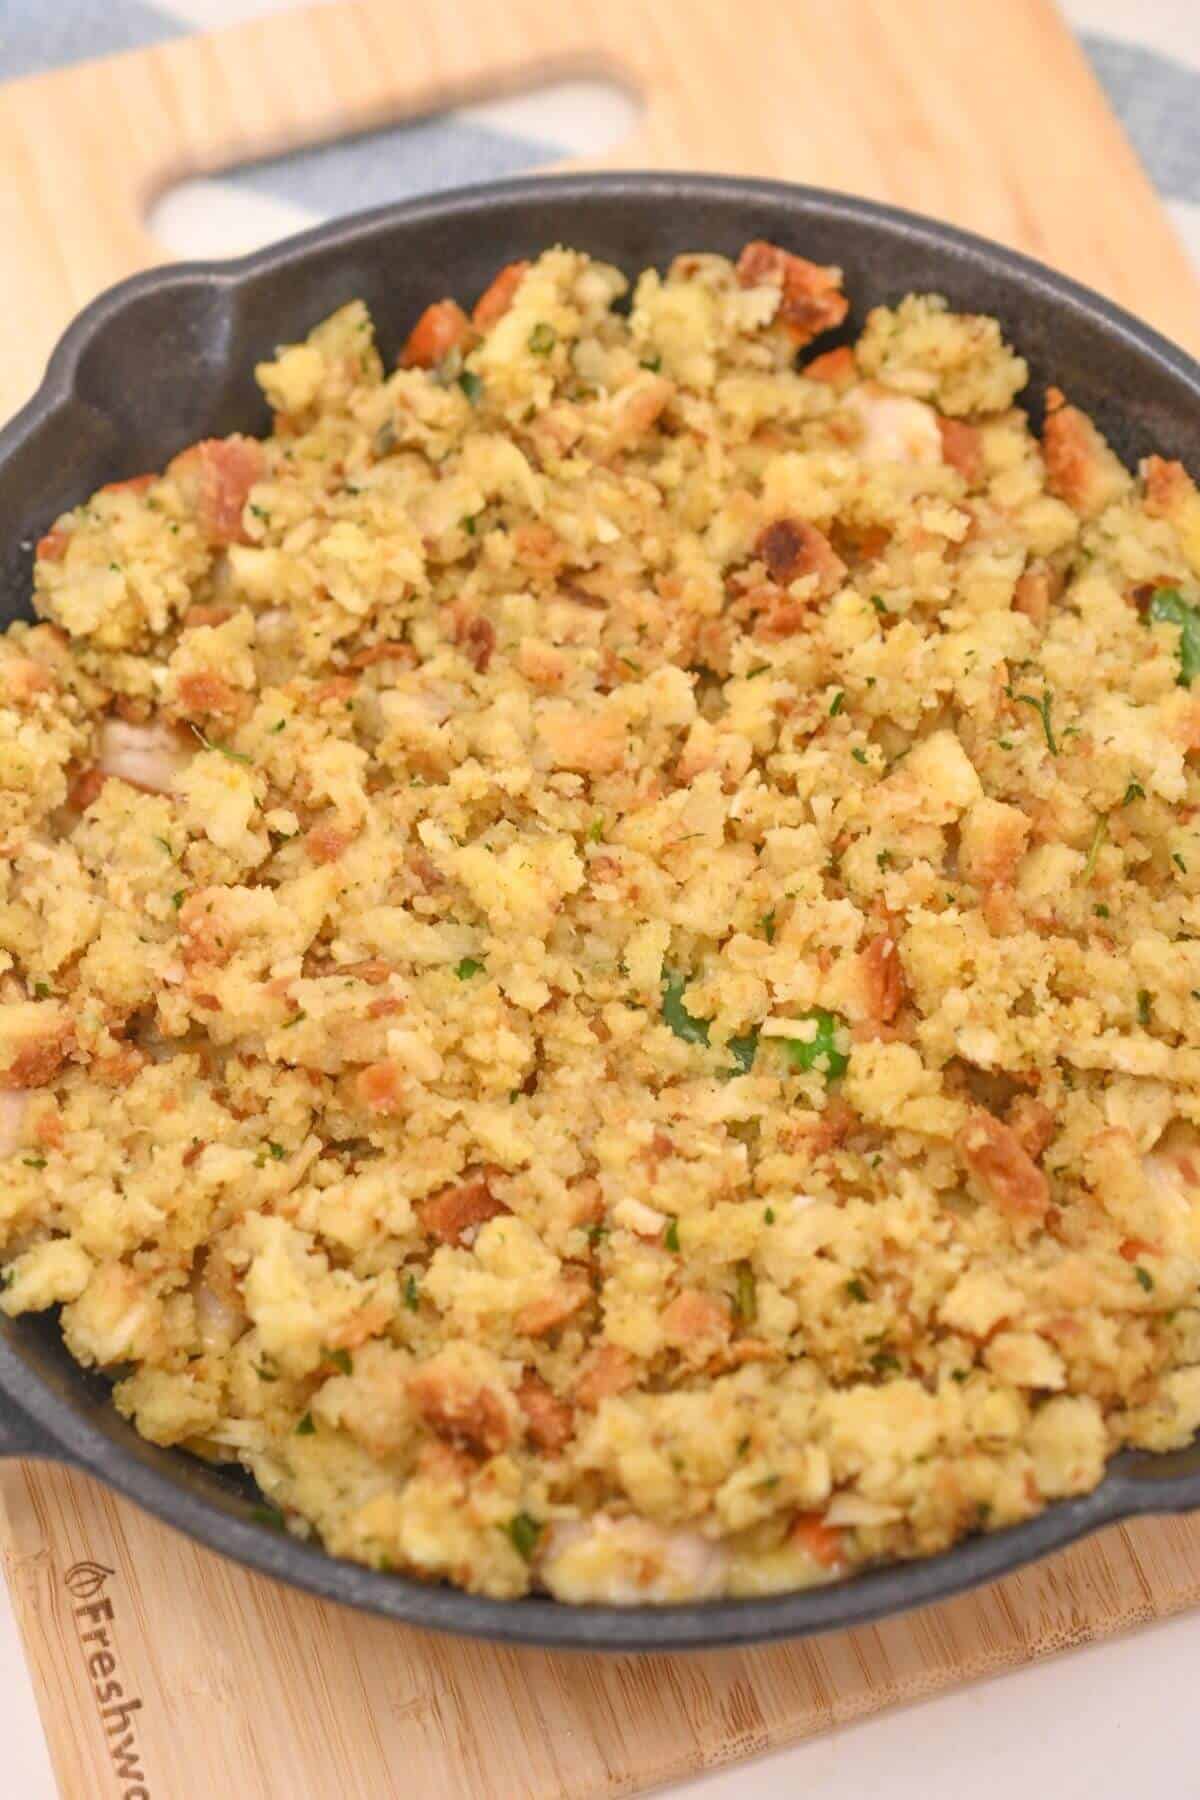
(35, 1421)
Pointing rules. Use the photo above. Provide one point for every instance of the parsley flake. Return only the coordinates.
(676, 1015)
(523, 1533)
(1042, 708)
(1168, 607)
(745, 1299)
(237, 756)
(820, 1051)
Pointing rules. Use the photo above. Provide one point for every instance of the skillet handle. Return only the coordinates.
(20, 1436)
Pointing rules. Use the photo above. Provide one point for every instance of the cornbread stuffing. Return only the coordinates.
(600, 938)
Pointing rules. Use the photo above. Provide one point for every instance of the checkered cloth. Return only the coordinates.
(1146, 54)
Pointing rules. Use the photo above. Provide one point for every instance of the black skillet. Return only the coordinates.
(166, 358)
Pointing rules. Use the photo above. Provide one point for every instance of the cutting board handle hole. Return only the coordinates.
(256, 202)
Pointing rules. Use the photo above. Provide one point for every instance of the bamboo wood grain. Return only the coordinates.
(980, 113)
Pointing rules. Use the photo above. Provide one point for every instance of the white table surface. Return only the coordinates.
(1114, 1720)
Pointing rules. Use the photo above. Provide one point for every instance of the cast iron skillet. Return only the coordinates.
(166, 358)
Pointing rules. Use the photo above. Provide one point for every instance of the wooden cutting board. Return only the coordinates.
(980, 113)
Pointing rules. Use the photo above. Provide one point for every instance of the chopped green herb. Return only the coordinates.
(467, 967)
(260, 512)
(653, 363)
(768, 926)
(238, 756)
(860, 756)
(164, 844)
(277, 727)
(34, 1162)
(1135, 791)
(595, 830)
(884, 1363)
(468, 524)
(306, 1427)
(760, 669)
(743, 1444)
(523, 1533)
(820, 1051)
(1178, 861)
(265, 1374)
(1143, 1006)
(883, 859)
(294, 1020)
(1168, 607)
(471, 386)
(341, 1359)
(676, 1015)
(745, 1299)
(1098, 837)
(411, 1294)
(269, 1515)
(542, 339)
(277, 1151)
(41, 990)
(1145, 1278)
(743, 1049)
(769, 1216)
(877, 603)
(856, 1291)
(671, 1235)
(1042, 708)
(594, 1234)
(177, 899)
(837, 703)
(1101, 911)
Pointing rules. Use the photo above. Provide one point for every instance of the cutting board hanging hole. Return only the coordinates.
(253, 203)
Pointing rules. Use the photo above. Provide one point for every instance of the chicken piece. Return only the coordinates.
(629, 1562)
(894, 428)
(150, 757)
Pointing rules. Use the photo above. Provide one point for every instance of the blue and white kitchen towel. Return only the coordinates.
(1146, 54)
